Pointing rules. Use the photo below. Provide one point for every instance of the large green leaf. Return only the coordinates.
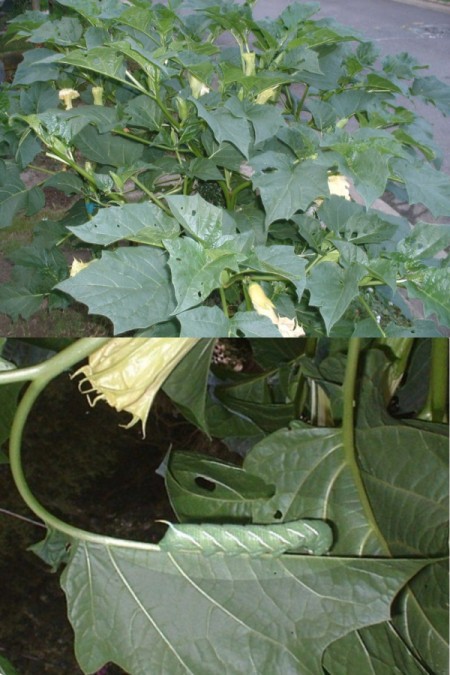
(425, 185)
(187, 383)
(198, 217)
(196, 270)
(432, 286)
(204, 488)
(433, 90)
(421, 617)
(131, 286)
(313, 479)
(286, 187)
(333, 288)
(144, 223)
(124, 605)
(107, 148)
(378, 650)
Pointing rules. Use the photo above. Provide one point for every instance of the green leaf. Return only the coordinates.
(405, 471)
(38, 65)
(102, 60)
(198, 217)
(333, 289)
(107, 148)
(6, 667)
(378, 649)
(318, 484)
(144, 223)
(111, 589)
(19, 301)
(67, 182)
(226, 126)
(422, 617)
(280, 260)
(196, 271)
(371, 172)
(425, 185)
(202, 488)
(433, 91)
(425, 240)
(431, 286)
(187, 383)
(65, 32)
(204, 322)
(15, 196)
(251, 324)
(131, 286)
(286, 188)
(142, 111)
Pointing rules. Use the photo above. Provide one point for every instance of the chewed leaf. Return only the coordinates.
(300, 536)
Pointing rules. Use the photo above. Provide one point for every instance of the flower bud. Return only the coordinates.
(97, 93)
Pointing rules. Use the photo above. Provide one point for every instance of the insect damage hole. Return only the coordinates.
(205, 484)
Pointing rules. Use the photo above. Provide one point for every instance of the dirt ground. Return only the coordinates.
(93, 473)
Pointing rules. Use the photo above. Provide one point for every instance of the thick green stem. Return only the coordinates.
(224, 302)
(436, 406)
(348, 436)
(46, 372)
(152, 196)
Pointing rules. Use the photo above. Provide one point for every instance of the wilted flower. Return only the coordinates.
(267, 95)
(67, 96)
(265, 307)
(128, 372)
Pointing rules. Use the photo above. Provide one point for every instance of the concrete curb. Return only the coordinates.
(433, 5)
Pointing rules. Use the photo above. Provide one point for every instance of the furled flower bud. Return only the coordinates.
(128, 372)
(249, 61)
(67, 96)
(97, 93)
(265, 307)
(267, 95)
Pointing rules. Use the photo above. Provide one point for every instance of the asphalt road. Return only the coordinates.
(416, 26)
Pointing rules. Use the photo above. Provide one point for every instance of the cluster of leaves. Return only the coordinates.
(378, 597)
(201, 147)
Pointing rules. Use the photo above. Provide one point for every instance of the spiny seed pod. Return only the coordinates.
(128, 372)
(300, 536)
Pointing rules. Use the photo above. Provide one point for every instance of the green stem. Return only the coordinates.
(224, 302)
(348, 431)
(301, 392)
(47, 371)
(371, 314)
(436, 405)
(42, 170)
(301, 102)
(152, 196)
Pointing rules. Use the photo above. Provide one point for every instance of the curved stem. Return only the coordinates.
(49, 370)
(348, 426)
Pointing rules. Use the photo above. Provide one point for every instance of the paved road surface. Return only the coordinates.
(418, 27)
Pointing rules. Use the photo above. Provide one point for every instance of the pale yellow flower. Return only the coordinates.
(97, 93)
(265, 307)
(67, 96)
(339, 185)
(128, 372)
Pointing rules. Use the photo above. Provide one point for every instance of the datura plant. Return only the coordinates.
(205, 149)
(326, 537)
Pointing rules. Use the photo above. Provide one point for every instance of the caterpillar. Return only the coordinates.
(299, 536)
